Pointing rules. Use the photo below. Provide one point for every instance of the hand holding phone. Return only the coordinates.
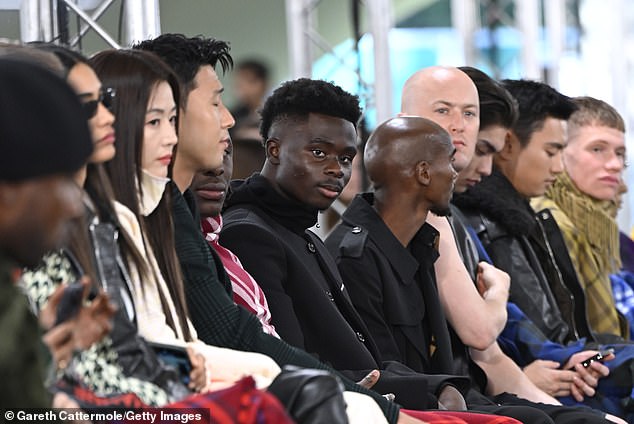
(70, 303)
(598, 357)
(176, 357)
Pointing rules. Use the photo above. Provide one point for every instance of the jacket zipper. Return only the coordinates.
(560, 279)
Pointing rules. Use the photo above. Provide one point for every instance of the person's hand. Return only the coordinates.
(403, 418)
(370, 380)
(489, 277)
(59, 341)
(198, 377)
(547, 376)
(93, 321)
(450, 398)
(90, 325)
(587, 378)
(48, 312)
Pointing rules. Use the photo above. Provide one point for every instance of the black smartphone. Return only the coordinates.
(598, 357)
(70, 303)
(176, 357)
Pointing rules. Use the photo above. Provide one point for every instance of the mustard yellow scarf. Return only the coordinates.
(593, 218)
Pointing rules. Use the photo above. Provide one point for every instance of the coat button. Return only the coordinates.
(356, 230)
(330, 296)
(360, 337)
(311, 247)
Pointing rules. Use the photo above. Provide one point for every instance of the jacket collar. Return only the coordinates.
(496, 198)
(258, 191)
(361, 214)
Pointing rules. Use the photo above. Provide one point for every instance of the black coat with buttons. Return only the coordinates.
(309, 305)
(394, 288)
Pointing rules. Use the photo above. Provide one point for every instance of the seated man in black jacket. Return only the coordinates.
(309, 128)
(517, 240)
(386, 252)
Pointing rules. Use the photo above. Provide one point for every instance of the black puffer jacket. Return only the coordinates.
(530, 248)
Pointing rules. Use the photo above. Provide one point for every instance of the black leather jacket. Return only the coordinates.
(531, 249)
(135, 356)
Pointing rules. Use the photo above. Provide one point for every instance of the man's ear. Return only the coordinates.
(511, 147)
(272, 148)
(423, 174)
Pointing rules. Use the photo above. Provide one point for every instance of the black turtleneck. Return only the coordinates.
(288, 212)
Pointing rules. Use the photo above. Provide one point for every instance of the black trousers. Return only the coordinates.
(526, 411)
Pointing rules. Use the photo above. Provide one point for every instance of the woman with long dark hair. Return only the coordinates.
(147, 113)
(99, 248)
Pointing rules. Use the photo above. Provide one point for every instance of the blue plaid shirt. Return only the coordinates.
(524, 343)
(622, 284)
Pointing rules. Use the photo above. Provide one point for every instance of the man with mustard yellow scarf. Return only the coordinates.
(582, 201)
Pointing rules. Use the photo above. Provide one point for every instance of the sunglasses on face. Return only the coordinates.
(106, 97)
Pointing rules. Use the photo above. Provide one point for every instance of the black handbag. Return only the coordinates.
(310, 396)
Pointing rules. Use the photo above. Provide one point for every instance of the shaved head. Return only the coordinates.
(447, 96)
(398, 145)
(418, 86)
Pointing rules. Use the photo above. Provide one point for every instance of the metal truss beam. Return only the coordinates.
(38, 20)
(303, 37)
(466, 20)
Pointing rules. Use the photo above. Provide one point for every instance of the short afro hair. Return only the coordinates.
(298, 98)
(185, 55)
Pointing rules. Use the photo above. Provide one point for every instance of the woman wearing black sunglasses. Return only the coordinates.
(99, 248)
(97, 101)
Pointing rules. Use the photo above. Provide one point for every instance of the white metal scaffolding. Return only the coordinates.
(303, 37)
(38, 19)
(466, 20)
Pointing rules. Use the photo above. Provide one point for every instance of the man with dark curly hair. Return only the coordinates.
(309, 132)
